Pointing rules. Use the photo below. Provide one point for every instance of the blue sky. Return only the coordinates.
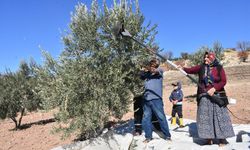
(183, 25)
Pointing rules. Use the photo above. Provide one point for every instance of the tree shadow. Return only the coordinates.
(177, 129)
(119, 127)
(106, 135)
(191, 96)
(124, 127)
(40, 122)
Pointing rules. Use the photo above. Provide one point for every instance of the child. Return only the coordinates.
(176, 98)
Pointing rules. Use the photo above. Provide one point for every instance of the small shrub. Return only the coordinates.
(243, 55)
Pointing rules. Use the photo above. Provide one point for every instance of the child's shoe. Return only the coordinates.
(181, 122)
(173, 121)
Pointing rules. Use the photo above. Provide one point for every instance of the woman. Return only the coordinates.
(213, 121)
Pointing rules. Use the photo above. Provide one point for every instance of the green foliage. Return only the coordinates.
(9, 99)
(96, 75)
(18, 93)
(198, 56)
(28, 80)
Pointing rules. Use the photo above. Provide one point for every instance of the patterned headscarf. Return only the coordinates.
(207, 77)
(213, 59)
(211, 56)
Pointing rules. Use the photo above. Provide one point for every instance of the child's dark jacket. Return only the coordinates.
(177, 95)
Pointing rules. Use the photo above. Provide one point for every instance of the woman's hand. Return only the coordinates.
(179, 67)
(211, 91)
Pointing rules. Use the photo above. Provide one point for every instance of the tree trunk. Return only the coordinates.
(15, 121)
(20, 119)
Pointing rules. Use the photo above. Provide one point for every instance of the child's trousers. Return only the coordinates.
(177, 109)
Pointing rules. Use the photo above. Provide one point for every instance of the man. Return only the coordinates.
(153, 76)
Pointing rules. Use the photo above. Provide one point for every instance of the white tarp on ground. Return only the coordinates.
(120, 138)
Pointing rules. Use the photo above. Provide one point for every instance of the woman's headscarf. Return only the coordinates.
(212, 58)
(207, 76)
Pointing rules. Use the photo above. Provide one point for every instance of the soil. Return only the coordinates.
(36, 134)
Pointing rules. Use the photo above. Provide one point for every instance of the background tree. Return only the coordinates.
(168, 55)
(9, 98)
(218, 50)
(197, 57)
(18, 94)
(243, 48)
(184, 55)
(96, 76)
(243, 45)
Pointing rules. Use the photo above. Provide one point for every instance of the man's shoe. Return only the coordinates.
(147, 141)
(136, 133)
(168, 139)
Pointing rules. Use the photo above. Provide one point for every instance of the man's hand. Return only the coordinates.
(211, 91)
(145, 69)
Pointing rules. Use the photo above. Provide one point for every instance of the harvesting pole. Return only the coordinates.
(120, 31)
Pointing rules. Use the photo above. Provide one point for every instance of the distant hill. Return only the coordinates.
(235, 70)
(234, 73)
(230, 59)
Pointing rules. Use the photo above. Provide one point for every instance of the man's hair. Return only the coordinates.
(154, 63)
